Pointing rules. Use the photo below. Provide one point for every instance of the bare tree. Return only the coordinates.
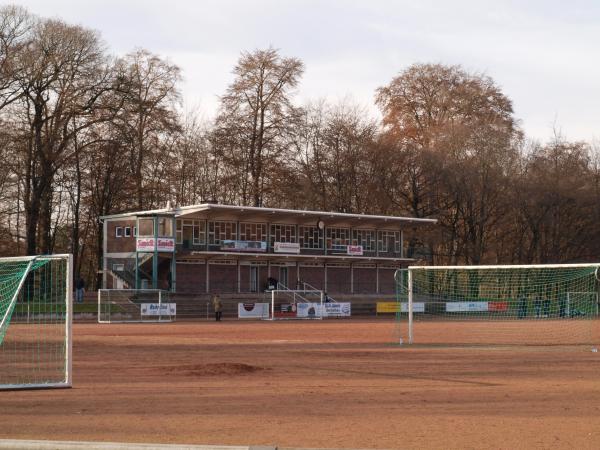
(257, 118)
(149, 117)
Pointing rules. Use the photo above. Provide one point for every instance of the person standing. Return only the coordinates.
(80, 289)
(217, 306)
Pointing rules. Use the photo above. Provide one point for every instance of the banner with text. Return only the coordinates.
(158, 309)
(286, 247)
(394, 307)
(466, 306)
(253, 310)
(327, 310)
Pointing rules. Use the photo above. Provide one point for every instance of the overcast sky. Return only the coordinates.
(545, 55)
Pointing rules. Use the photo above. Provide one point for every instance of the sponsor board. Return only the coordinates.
(158, 309)
(498, 306)
(253, 310)
(165, 244)
(466, 306)
(356, 250)
(286, 247)
(244, 246)
(144, 244)
(326, 310)
(394, 307)
(149, 244)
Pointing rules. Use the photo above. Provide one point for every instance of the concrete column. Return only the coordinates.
(239, 277)
(207, 278)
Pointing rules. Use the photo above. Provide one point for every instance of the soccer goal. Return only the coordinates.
(35, 322)
(296, 304)
(135, 305)
(507, 305)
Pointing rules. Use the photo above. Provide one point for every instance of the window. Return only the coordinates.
(190, 232)
(146, 227)
(389, 241)
(119, 232)
(219, 231)
(127, 232)
(165, 227)
(118, 267)
(337, 238)
(253, 231)
(366, 238)
(283, 233)
(134, 231)
(310, 237)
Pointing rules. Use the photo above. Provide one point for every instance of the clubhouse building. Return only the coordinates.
(211, 248)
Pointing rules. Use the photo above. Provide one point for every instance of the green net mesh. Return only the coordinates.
(12, 277)
(34, 336)
(521, 305)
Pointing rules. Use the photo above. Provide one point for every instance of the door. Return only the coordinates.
(283, 276)
(253, 279)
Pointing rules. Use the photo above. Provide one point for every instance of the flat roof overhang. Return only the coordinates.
(274, 215)
(247, 256)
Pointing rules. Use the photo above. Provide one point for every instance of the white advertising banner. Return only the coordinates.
(466, 306)
(286, 247)
(253, 310)
(159, 309)
(356, 250)
(418, 307)
(145, 244)
(165, 244)
(337, 309)
(161, 244)
(328, 310)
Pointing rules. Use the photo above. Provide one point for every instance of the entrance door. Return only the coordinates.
(283, 276)
(253, 279)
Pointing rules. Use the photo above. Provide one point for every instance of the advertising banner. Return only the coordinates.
(244, 246)
(337, 309)
(253, 310)
(286, 247)
(466, 306)
(158, 309)
(392, 307)
(144, 244)
(165, 244)
(356, 250)
(498, 306)
(148, 244)
(328, 310)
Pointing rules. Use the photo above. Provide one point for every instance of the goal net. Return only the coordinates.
(506, 305)
(296, 304)
(135, 305)
(35, 322)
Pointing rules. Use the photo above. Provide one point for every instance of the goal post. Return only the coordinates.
(35, 322)
(135, 305)
(296, 304)
(554, 304)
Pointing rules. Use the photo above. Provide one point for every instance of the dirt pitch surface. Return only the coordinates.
(333, 384)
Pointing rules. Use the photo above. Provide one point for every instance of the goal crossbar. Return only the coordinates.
(540, 304)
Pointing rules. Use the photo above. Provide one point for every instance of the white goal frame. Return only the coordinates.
(411, 269)
(297, 297)
(159, 318)
(67, 380)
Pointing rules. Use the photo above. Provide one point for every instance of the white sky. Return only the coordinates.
(545, 55)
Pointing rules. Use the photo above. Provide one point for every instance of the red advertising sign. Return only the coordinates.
(497, 306)
(149, 244)
(356, 250)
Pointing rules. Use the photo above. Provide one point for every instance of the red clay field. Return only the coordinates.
(334, 384)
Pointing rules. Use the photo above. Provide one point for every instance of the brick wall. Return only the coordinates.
(120, 244)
